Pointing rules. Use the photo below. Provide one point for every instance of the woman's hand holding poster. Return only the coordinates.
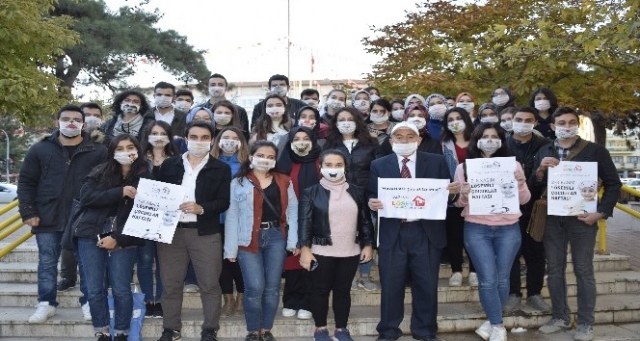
(572, 188)
(494, 189)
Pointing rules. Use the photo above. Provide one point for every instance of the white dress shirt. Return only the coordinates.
(189, 181)
(411, 164)
(168, 117)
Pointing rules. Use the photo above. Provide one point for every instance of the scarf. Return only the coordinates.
(308, 174)
(132, 127)
(335, 188)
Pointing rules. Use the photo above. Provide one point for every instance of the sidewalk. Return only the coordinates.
(623, 235)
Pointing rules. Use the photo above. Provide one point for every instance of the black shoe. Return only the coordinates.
(148, 310)
(103, 337)
(209, 334)
(65, 285)
(252, 337)
(158, 313)
(121, 337)
(426, 338)
(170, 335)
(267, 336)
(384, 338)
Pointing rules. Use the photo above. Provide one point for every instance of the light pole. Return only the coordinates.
(6, 161)
(289, 38)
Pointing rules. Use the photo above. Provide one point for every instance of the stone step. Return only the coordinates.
(452, 317)
(620, 282)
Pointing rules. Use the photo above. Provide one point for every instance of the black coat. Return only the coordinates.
(358, 162)
(213, 189)
(293, 105)
(107, 128)
(524, 154)
(313, 217)
(178, 124)
(50, 179)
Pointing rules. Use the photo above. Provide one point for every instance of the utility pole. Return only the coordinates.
(289, 39)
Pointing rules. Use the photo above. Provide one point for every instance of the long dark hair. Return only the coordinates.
(264, 124)
(473, 152)
(169, 150)
(235, 118)
(447, 135)
(245, 167)
(109, 173)
(361, 133)
(117, 101)
(553, 100)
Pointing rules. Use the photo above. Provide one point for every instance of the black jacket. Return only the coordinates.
(524, 153)
(313, 217)
(607, 172)
(213, 189)
(358, 162)
(50, 178)
(178, 124)
(99, 203)
(293, 105)
(107, 128)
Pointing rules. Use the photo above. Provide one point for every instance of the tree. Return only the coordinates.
(586, 51)
(31, 42)
(113, 43)
(19, 142)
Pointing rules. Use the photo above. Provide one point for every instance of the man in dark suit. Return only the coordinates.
(404, 244)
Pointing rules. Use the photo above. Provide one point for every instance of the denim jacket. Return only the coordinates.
(449, 151)
(239, 220)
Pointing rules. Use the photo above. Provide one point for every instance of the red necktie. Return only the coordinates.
(405, 173)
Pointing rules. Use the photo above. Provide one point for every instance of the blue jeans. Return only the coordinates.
(146, 255)
(119, 265)
(492, 250)
(49, 250)
(558, 233)
(83, 283)
(261, 272)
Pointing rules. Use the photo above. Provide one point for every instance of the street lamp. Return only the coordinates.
(6, 161)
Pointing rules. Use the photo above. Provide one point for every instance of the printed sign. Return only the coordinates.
(572, 188)
(413, 199)
(494, 189)
(155, 212)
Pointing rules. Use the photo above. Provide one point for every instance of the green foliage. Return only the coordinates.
(19, 140)
(113, 41)
(31, 42)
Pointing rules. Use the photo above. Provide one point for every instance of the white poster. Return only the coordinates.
(413, 199)
(494, 189)
(572, 188)
(155, 212)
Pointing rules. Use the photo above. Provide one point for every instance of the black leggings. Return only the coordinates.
(231, 273)
(333, 274)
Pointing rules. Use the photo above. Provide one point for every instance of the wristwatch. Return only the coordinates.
(604, 215)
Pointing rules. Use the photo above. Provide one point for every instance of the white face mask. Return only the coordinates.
(332, 174)
(542, 104)
(489, 119)
(216, 91)
(361, 104)
(229, 145)
(398, 114)
(346, 127)
(456, 126)
(92, 121)
(129, 108)
(222, 119)
(125, 158)
(419, 122)
(309, 124)
(70, 132)
(437, 111)
(508, 125)
(335, 104)
(311, 102)
(158, 140)
(374, 97)
(279, 90)
(301, 148)
(567, 133)
(500, 100)
(405, 149)
(261, 164)
(379, 119)
(522, 129)
(489, 146)
(468, 106)
(197, 148)
(163, 101)
(275, 111)
(183, 105)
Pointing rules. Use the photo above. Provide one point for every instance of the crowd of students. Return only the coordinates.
(294, 195)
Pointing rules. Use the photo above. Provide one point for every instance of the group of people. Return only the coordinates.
(293, 193)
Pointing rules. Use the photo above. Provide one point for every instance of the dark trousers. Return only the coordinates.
(412, 252)
(296, 289)
(533, 253)
(231, 273)
(333, 274)
(455, 239)
(68, 266)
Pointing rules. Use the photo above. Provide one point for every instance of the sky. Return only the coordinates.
(246, 40)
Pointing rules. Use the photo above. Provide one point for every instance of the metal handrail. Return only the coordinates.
(602, 224)
(9, 226)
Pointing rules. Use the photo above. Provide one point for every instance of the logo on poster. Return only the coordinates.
(419, 201)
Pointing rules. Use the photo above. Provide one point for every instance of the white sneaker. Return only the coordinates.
(498, 334)
(286, 312)
(473, 279)
(484, 331)
(43, 312)
(191, 288)
(86, 312)
(456, 279)
(304, 314)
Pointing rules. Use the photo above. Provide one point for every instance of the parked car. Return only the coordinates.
(635, 184)
(8, 193)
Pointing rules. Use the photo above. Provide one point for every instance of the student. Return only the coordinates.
(336, 100)
(225, 115)
(361, 101)
(502, 97)
(278, 86)
(128, 116)
(311, 97)
(546, 102)
(506, 119)
(184, 100)
(380, 126)
(164, 94)
(397, 110)
(467, 102)
(218, 87)
(274, 124)
(374, 93)
(436, 106)
(487, 113)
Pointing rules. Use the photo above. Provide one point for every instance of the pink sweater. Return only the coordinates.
(497, 219)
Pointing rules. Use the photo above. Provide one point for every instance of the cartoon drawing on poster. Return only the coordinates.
(413, 198)
(155, 214)
(494, 187)
(572, 188)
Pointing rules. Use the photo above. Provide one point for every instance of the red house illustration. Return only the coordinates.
(419, 201)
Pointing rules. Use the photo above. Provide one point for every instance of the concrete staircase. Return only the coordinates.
(459, 309)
